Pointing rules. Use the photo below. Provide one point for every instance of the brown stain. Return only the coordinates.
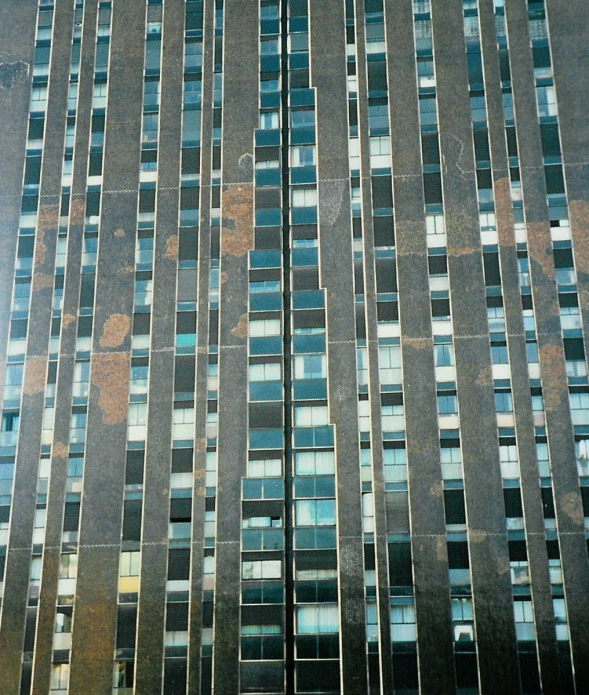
(572, 507)
(200, 445)
(47, 220)
(540, 250)
(172, 244)
(110, 373)
(77, 211)
(552, 391)
(241, 329)
(436, 490)
(477, 536)
(504, 212)
(115, 330)
(200, 474)
(441, 549)
(417, 343)
(485, 377)
(35, 375)
(127, 269)
(66, 319)
(460, 251)
(223, 277)
(237, 231)
(503, 566)
(41, 281)
(579, 220)
(60, 450)
(119, 233)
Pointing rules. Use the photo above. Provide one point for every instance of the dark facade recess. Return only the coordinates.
(294, 299)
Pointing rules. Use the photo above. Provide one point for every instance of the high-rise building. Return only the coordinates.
(294, 297)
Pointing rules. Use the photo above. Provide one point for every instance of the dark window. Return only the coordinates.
(126, 626)
(455, 509)
(179, 563)
(132, 520)
(513, 502)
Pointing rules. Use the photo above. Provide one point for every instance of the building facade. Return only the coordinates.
(294, 298)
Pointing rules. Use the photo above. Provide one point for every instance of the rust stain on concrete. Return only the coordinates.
(552, 391)
(60, 450)
(237, 231)
(477, 536)
(417, 343)
(485, 377)
(572, 507)
(441, 549)
(540, 250)
(436, 490)
(504, 212)
(77, 211)
(110, 373)
(241, 329)
(119, 232)
(41, 281)
(47, 220)
(66, 319)
(223, 277)
(115, 330)
(35, 375)
(172, 245)
(200, 445)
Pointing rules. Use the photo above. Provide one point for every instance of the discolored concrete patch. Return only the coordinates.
(237, 231)
(110, 373)
(115, 330)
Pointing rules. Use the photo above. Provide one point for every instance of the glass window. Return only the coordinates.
(310, 367)
(315, 512)
(317, 619)
(314, 463)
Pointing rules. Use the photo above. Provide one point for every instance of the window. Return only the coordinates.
(403, 623)
(310, 367)
(304, 197)
(68, 568)
(60, 675)
(137, 414)
(130, 564)
(261, 569)
(265, 372)
(269, 120)
(311, 416)
(317, 619)
(428, 115)
(302, 156)
(315, 512)
(395, 465)
(389, 363)
(63, 619)
(302, 119)
(546, 101)
(380, 151)
(264, 327)
(434, 224)
(524, 620)
(447, 403)
(81, 379)
(264, 468)
(499, 353)
(315, 463)
(503, 402)
(444, 355)
(264, 286)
